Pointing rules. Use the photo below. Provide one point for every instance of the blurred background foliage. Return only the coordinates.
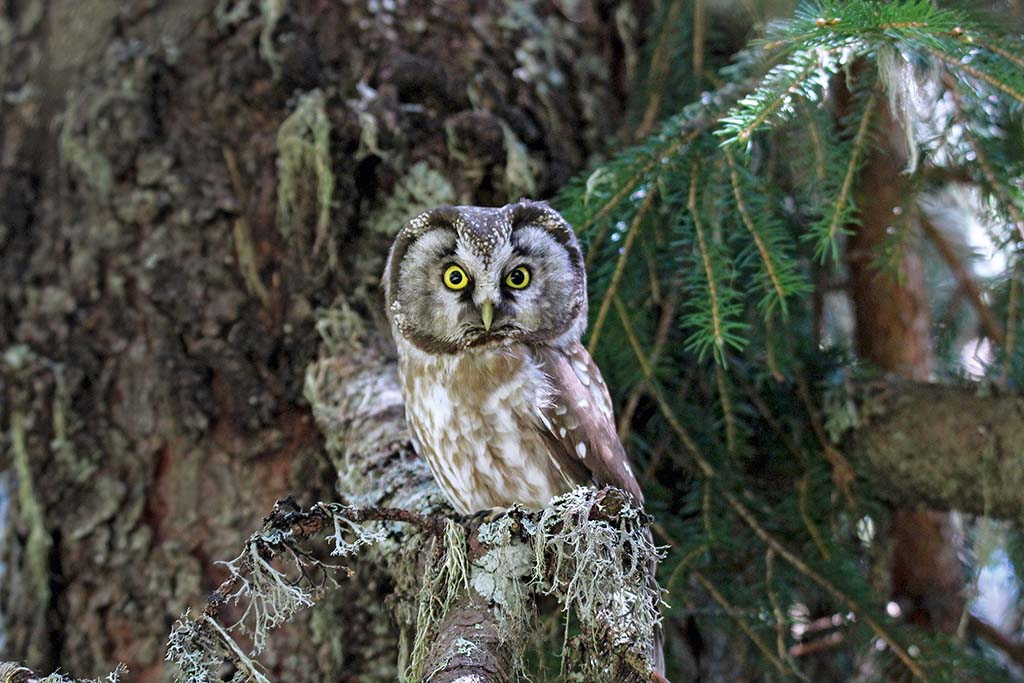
(811, 195)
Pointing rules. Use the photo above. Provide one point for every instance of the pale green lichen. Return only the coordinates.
(361, 535)
(520, 168)
(197, 647)
(194, 656)
(846, 408)
(272, 597)
(39, 543)
(341, 329)
(600, 572)
(444, 582)
(369, 127)
(272, 11)
(597, 569)
(420, 189)
(465, 647)
(248, 261)
(78, 154)
(56, 677)
(304, 155)
(499, 575)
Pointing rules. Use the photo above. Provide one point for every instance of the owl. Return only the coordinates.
(487, 306)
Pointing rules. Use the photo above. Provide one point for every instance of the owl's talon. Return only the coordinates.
(486, 516)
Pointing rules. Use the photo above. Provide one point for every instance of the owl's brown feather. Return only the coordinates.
(578, 424)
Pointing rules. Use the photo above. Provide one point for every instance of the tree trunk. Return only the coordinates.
(892, 332)
(195, 202)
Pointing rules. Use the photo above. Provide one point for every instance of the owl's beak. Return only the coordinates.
(487, 314)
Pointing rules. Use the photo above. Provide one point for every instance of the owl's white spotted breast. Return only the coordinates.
(474, 418)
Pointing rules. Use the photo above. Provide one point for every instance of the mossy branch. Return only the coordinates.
(590, 549)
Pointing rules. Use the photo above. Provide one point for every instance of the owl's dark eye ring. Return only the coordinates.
(455, 278)
(518, 278)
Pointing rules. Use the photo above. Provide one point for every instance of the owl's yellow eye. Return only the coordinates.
(518, 278)
(455, 278)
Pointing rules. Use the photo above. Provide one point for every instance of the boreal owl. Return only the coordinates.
(487, 306)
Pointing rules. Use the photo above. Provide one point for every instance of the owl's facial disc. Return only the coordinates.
(471, 277)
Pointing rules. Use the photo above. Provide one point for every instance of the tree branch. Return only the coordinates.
(967, 284)
(947, 447)
(469, 646)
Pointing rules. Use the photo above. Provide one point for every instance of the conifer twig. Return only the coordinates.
(634, 341)
(805, 514)
(635, 179)
(705, 256)
(978, 74)
(699, 30)
(748, 222)
(1016, 275)
(659, 70)
(817, 144)
(744, 626)
(780, 622)
(998, 639)
(859, 144)
(781, 97)
(1005, 54)
(668, 316)
(620, 267)
(965, 281)
(727, 411)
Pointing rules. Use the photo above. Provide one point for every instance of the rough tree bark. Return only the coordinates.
(195, 200)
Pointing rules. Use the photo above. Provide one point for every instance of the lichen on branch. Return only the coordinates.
(589, 549)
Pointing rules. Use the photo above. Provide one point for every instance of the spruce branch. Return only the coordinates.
(620, 266)
(728, 415)
(659, 69)
(1015, 59)
(803, 487)
(735, 614)
(1016, 276)
(792, 558)
(965, 281)
(629, 183)
(1003, 85)
(649, 362)
(634, 341)
(842, 208)
(869, 23)
(780, 621)
(817, 141)
(781, 277)
(804, 78)
(714, 314)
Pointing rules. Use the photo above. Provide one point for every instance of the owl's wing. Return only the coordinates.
(578, 423)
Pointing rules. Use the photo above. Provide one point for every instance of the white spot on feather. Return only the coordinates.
(581, 450)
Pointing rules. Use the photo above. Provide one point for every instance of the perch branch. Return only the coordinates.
(301, 524)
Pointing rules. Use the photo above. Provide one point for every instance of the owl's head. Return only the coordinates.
(460, 277)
